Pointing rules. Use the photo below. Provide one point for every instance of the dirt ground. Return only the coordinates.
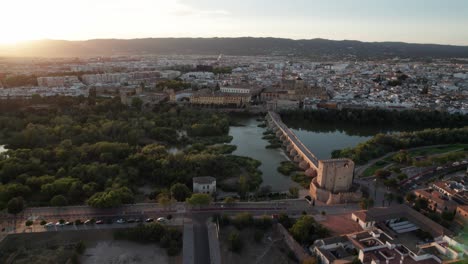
(340, 224)
(272, 248)
(58, 247)
(123, 252)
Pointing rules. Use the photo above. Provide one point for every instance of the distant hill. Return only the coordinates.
(313, 48)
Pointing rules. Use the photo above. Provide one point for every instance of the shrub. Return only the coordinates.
(243, 220)
(80, 247)
(29, 223)
(235, 242)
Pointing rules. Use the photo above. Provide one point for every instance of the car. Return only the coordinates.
(149, 220)
(131, 220)
(88, 222)
(68, 223)
(50, 224)
(121, 221)
(138, 220)
(308, 199)
(59, 224)
(99, 222)
(162, 220)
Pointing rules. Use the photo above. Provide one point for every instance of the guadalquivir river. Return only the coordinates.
(249, 142)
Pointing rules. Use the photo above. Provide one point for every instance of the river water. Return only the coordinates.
(249, 142)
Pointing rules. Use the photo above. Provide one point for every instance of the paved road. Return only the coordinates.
(201, 244)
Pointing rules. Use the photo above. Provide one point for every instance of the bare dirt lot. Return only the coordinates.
(272, 248)
(123, 252)
(340, 224)
(59, 247)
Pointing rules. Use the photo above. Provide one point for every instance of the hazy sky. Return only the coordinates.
(421, 21)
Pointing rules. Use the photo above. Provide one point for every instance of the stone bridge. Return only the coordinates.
(295, 148)
(332, 181)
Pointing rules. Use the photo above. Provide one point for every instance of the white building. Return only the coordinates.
(235, 90)
(204, 185)
(58, 81)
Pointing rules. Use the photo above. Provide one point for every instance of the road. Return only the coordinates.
(180, 212)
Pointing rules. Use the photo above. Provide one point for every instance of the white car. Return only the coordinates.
(59, 224)
(121, 221)
(161, 220)
(50, 224)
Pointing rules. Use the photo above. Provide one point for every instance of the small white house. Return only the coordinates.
(204, 185)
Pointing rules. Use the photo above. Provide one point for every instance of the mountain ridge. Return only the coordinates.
(314, 48)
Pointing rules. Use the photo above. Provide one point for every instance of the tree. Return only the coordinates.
(29, 223)
(410, 197)
(180, 192)
(111, 198)
(15, 205)
(243, 220)
(382, 174)
(364, 203)
(164, 200)
(235, 242)
(243, 186)
(137, 103)
(389, 197)
(199, 199)
(58, 200)
(80, 247)
(303, 229)
(294, 192)
(229, 201)
(284, 220)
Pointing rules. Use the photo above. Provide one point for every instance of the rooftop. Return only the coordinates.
(204, 180)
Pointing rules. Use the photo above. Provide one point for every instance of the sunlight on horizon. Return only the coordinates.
(24, 20)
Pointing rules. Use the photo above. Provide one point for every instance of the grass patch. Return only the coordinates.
(372, 169)
(437, 150)
(287, 167)
(302, 179)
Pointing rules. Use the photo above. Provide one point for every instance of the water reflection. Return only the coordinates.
(249, 142)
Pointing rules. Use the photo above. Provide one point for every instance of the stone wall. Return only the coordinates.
(335, 175)
(299, 251)
(332, 198)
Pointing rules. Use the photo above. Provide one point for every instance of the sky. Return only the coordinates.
(416, 21)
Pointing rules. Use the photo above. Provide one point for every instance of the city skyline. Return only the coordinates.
(415, 22)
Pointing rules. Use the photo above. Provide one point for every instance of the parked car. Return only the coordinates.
(99, 222)
(308, 199)
(50, 224)
(68, 223)
(149, 220)
(87, 222)
(131, 220)
(121, 221)
(162, 220)
(59, 224)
